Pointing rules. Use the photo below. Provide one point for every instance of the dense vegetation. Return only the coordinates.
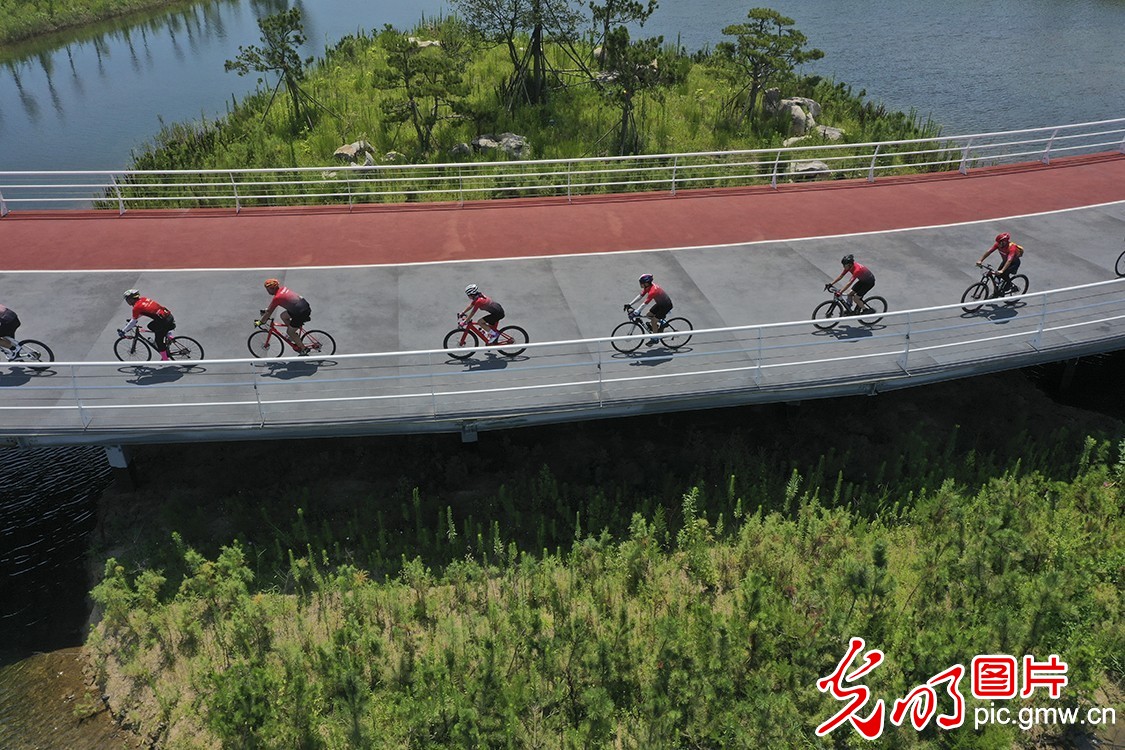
(422, 101)
(24, 19)
(579, 587)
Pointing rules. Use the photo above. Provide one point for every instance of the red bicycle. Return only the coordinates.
(270, 341)
(468, 335)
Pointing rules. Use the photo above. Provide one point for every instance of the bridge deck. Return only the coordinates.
(389, 279)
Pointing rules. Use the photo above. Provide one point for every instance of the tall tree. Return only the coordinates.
(282, 36)
(764, 48)
(429, 79)
(609, 14)
(508, 22)
(635, 68)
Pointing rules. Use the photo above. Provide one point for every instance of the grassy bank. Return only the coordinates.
(674, 581)
(21, 20)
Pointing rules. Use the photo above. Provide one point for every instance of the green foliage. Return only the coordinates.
(24, 19)
(632, 638)
(282, 37)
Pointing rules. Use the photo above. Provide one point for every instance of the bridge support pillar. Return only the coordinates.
(468, 433)
(121, 461)
(1067, 378)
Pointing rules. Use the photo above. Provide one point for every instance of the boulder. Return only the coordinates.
(515, 146)
(825, 132)
(394, 157)
(800, 110)
(461, 150)
(423, 43)
(350, 153)
(810, 169)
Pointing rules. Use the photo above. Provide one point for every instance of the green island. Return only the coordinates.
(661, 582)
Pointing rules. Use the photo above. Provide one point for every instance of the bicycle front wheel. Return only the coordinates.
(184, 348)
(519, 337)
(319, 342)
(681, 328)
(628, 328)
(1016, 285)
(460, 342)
(262, 344)
(1119, 269)
(878, 306)
(976, 295)
(828, 313)
(132, 349)
(35, 351)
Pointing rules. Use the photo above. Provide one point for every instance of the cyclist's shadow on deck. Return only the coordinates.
(157, 374)
(486, 361)
(18, 375)
(290, 369)
(849, 331)
(997, 312)
(657, 355)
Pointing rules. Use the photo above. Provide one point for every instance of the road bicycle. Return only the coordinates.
(135, 346)
(830, 311)
(469, 334)
(991, 286)
(673, 332)
(269, 340)
(31, 351)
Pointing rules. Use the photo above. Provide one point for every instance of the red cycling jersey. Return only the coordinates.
(151, 308)
(1009, 250)
(655, 292)
(859, 271)
(284, 298)
(482, 302)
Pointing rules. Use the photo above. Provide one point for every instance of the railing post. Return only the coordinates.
(351, 195)
(776, 162)
(1037, 339)
(601, 400)
(964, 168)
(461, 186)
(569, 171)
(120, 198)
(874, 158)
(904, 360)
(257, 397)
(234, 189)
(1121, 146)
(78, 401)
(758, 369)
(3, 206)
(675, 163)
(1046, 159)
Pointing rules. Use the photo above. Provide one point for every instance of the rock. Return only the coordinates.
(810, 169)
(461, 150)
(825, 132)
(423, 43)
(515, 146)
(394, 157)
(350, 153)
(801, 111)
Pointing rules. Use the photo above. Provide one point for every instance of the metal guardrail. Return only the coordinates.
(425, 390)
(461, 182)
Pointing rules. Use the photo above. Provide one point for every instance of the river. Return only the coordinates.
(87, 99)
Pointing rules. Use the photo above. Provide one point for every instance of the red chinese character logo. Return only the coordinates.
(994, 677)
(1050, 674)
(856, 697)
(922, 701)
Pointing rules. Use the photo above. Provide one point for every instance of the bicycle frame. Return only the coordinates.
(271, 328)
(484, 333)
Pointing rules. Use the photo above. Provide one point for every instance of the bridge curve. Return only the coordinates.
(746, 265)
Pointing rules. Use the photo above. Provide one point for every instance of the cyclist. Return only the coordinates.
(661, 304)
(295, 311)
(160, 319)
(9, 322)
(862, 279)
(1010, 254)
(494, 312)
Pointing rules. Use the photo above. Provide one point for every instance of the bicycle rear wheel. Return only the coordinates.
(681, 328)
(132, 349)
(628, 328)
(319, 342)
(878, 306)
(262, 344)
(519, 336)
(828, 312)
(184, 348)
(975, 294)
(460, 343)
(35, 351)
(1017, 285)
(1119, 269)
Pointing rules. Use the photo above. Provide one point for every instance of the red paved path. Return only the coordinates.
(326, 236)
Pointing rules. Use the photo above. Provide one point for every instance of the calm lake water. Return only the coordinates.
(87, 99)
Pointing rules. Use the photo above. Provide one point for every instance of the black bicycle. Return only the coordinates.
(136, 347)
(673, 332)
(828, 313)
(993, 286)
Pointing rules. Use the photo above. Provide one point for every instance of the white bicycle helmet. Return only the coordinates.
(472, 290)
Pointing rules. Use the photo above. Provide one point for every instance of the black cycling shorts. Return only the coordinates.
(300, 314)
(863, 286)
(9, 322)
(660, 309)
